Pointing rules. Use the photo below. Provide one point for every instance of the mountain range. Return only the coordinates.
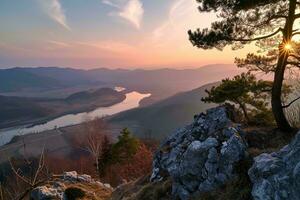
(61, 82)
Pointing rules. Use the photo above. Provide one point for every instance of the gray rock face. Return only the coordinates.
(276, 176)
(201, 156)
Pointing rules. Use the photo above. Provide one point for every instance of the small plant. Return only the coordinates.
(245, 91)
(74, 193)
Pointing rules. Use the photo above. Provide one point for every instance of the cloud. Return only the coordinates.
(55, 11)
(132, 11)
(182, 16)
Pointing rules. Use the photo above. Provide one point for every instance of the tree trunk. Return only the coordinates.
(277, 107)
(244, 110)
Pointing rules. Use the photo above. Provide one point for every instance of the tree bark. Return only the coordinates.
(277, 107)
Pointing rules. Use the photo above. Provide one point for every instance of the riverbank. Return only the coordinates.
(20, 111)
(132, 100)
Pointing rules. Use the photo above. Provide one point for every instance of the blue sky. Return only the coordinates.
(103, 33)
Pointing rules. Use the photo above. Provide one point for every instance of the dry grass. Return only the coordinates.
(142, 189)
(92, 191)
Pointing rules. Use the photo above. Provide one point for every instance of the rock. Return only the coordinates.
(70, 176)
(54, 189)
(84, 178)
(201, 156)
(277, 175)
(73, 177)
(46, 193)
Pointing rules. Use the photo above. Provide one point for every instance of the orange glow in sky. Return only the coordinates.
(105, 33)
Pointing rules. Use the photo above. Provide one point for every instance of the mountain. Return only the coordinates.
(22, 110)
(17, 109)
(100, 95)
(161, 83)
(17, 79)
(159, 119)
(68, 76)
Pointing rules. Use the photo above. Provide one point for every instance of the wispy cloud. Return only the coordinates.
(183, 15)
(131, 10)
(54, 9)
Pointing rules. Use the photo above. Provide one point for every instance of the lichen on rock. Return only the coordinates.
(201, 156)
(277, 175)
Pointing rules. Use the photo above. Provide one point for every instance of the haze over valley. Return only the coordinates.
(149, 100)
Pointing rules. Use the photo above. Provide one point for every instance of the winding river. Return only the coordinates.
(131, 101)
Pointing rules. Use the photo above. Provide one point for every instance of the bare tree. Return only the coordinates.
(96, 133)
(31, 179)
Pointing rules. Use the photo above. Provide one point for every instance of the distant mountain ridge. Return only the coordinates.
(19, 79)
(161, 83)
(161, 118)
(23, 110)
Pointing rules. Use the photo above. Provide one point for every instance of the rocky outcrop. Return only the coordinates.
(202, 156)
(276, 176)
(55, 189)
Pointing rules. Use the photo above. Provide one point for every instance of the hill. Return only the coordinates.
(161, 83)
(22, 110)
(161, 118)
(17, 79)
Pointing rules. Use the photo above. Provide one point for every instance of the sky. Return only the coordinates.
(104, 33)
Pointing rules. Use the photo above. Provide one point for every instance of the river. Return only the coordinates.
(131, 101)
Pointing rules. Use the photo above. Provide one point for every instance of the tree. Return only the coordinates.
(105, 158)
(244, 21)
(126, 146)
(96, 140)
(243, 90)
(123, 150)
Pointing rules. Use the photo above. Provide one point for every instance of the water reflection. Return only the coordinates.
(132, 101)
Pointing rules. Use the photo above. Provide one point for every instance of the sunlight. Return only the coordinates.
(288, 47)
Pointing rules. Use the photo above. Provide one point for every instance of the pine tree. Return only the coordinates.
(244, 21)
(243, 90)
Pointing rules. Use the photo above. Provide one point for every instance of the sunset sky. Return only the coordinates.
(104, 33)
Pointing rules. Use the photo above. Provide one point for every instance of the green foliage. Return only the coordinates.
(74, 193)
(271, 23)
(245, 91)
(106, 158)
(123, 150)
(126, 146)
(240, 22)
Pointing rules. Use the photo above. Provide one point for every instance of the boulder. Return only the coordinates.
(74, 177)
(201, 156)
(55, 189)
(47, 192)
(276, 176)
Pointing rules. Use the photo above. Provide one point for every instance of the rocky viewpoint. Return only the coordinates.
(201, 156)
(199, 159)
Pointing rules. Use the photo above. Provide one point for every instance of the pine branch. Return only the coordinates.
(257, 38)
(288, 105)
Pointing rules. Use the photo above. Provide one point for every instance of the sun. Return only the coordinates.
(288, 47)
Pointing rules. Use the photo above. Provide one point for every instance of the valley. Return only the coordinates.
(16, 111)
